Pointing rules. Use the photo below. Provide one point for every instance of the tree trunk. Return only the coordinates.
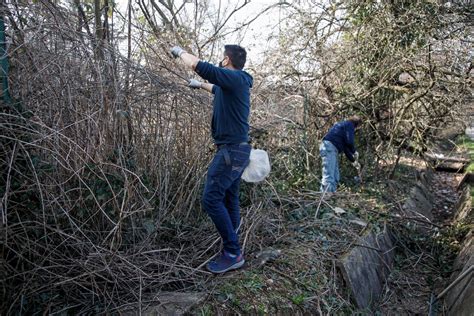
(98, 49)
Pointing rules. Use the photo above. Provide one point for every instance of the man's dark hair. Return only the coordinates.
(355, 119)
(236, 54)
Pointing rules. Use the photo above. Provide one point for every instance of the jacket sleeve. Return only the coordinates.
(349, 155)
(224, 78)
(349, 136)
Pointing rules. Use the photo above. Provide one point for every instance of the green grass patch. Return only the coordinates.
(470, 168)
(244, 294)
(468, 144)
(205, 310)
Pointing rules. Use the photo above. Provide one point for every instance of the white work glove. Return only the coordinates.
(356, 156)
(356, 165)
(195, 84)
(176, 51)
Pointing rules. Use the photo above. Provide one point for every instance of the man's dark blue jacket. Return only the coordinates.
(342, 135)
(231, 106)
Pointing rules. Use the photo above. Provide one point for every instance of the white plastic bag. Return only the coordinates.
(258, 168)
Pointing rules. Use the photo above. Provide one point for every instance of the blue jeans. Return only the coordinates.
(221, 194)
(330, 159)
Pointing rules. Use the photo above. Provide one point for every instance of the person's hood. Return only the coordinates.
(248, 78)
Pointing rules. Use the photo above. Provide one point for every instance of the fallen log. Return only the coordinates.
(450, 167)
(442, 158)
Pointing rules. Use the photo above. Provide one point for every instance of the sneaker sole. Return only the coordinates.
(232, 267)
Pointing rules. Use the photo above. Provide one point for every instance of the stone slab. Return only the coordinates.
(463, 209)
(420, 202)
(460, 299)
(169, 303)
(367, 266)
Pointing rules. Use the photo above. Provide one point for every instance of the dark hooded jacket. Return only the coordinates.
(341, 135)
(231, 105)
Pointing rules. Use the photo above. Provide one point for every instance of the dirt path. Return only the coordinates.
(445, 187)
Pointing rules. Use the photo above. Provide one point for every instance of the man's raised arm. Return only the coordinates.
(189, 60)
(224, 78)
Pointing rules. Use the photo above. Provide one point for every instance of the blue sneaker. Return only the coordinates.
(225, 262)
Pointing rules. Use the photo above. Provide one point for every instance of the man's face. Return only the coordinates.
(224, 62)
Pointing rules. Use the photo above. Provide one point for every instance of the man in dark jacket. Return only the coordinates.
(340, 138)
(231, 108)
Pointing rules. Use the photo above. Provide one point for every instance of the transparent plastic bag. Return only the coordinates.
(258, 168)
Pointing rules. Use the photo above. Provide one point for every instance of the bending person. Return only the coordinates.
(340, 138)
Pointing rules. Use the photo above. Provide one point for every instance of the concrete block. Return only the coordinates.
(464, 206)
(366, 267)
(169, 303)
(420, 202)
(460, 299)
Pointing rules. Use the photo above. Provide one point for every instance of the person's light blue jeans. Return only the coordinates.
(330, 159)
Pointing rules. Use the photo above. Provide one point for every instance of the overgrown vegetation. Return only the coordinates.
(103, 148)
(467, 144)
